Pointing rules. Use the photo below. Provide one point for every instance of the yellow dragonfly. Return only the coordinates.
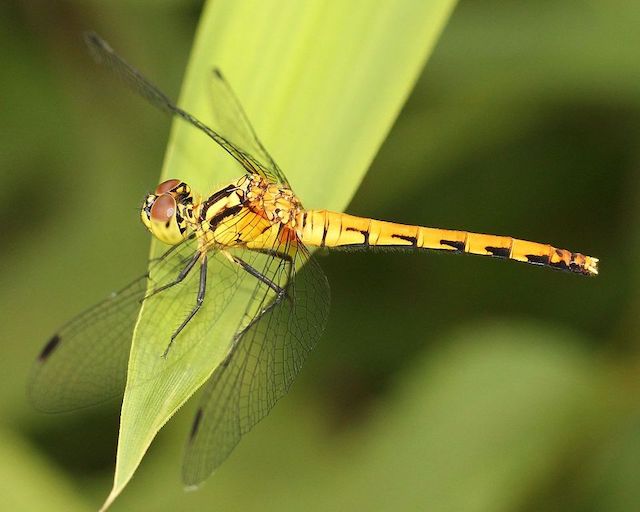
(256, 226)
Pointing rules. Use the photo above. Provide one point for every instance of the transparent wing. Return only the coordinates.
(104, 54)
(267, 353)
(85, 362)
(232, 122)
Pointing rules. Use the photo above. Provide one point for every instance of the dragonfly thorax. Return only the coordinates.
(277, 203)
(169, 212)
(250, 211)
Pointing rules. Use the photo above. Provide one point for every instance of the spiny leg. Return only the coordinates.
(183, 273)
(238, 336)
(199, 302)
(272, 252)
(281, 293)
(255, 273)
(286, 258)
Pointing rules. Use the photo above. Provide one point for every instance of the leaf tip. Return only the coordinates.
(110, 499)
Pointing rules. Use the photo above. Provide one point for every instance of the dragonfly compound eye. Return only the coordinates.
(167, 186)
(165, 221)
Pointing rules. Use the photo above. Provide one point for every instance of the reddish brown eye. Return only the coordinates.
(166, 186)
(163, 209)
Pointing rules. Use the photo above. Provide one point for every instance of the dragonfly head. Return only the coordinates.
(167, 212)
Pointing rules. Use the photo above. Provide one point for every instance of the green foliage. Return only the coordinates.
(442, 381)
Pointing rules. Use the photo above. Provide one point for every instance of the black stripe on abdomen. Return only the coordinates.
(458, 246)
(498, 252)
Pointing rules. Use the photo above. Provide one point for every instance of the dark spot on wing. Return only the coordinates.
(49, 348)
(498, 252)
(196, 425)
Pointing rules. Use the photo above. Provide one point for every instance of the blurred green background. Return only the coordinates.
(442, 383)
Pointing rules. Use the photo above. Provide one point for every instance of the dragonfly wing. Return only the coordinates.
(104, 54)
(232, 122)
(263, 362)
(85, 362)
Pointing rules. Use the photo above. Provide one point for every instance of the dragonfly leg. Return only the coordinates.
(238, 336)
(255, 273)
(281, 293)
(183, 273)
(271, 252)
(199, 302)
(285, 258)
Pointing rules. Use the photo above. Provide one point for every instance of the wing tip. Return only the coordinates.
(96, 45)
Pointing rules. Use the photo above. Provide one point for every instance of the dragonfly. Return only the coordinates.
(257, 230)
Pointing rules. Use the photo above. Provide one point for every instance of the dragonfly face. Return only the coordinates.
(168, 212)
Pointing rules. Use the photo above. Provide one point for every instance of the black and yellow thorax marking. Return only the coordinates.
(249, 212)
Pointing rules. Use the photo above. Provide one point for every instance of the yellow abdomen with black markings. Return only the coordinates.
(254, 213)
(322, 228)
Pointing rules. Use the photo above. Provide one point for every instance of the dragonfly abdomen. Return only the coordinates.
(322, 228)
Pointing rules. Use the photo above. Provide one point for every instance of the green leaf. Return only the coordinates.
(484, 424)
(322, 83)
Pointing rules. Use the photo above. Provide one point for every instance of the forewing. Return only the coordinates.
(232, 122)
(85, 362)
(105, 55)
(268, 353)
